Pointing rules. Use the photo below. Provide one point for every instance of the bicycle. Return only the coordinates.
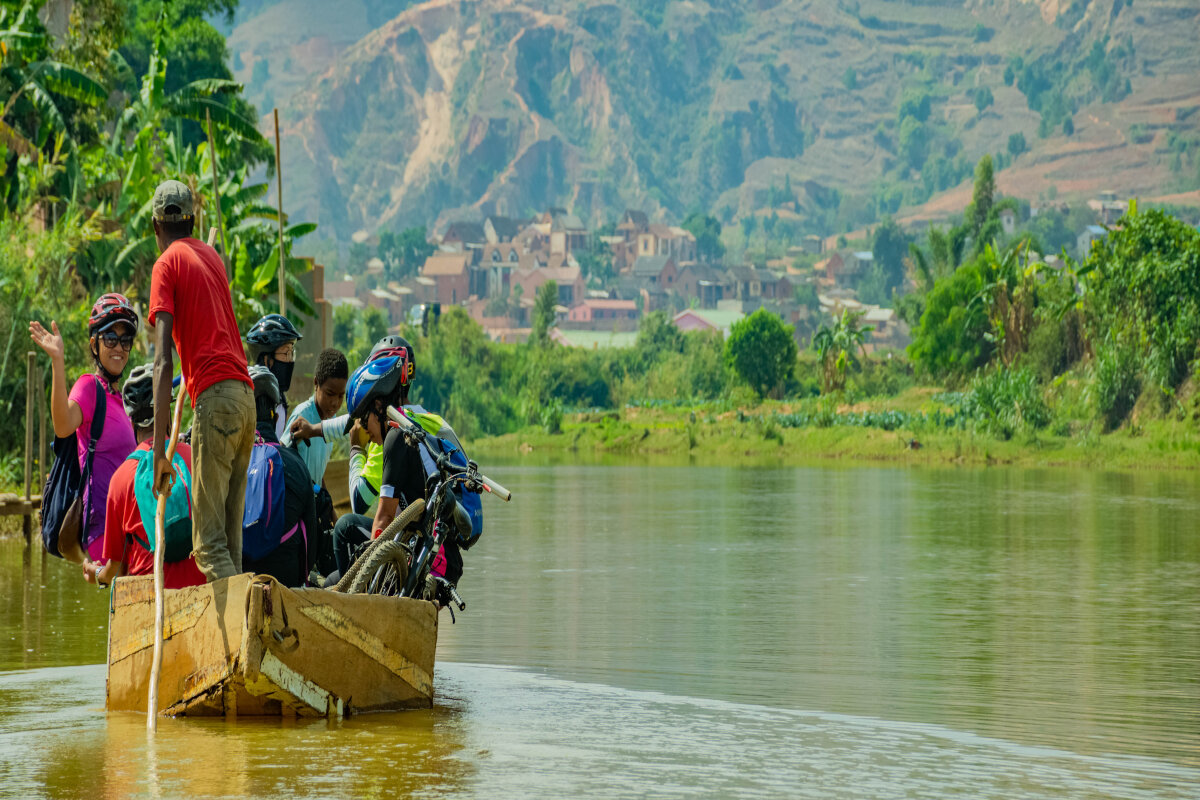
(397, 562)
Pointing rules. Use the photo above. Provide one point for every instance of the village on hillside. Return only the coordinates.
(608, 279)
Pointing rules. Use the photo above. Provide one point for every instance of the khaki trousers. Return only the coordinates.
(222, 437)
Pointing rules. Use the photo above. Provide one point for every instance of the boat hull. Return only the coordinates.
(247, 645)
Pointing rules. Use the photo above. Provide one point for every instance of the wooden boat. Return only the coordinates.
(247, 645)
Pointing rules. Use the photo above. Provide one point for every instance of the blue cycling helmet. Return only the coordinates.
(380, 378)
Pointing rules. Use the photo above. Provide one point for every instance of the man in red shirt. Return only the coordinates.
(190, 305)
(125, 536)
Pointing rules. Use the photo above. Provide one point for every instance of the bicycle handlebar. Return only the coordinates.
(495, 488)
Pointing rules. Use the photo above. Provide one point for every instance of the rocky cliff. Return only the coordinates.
(457, 108)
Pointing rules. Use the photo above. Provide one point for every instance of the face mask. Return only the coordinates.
(282, 370)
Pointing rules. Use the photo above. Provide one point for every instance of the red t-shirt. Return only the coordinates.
(189, 283)
(123, 522)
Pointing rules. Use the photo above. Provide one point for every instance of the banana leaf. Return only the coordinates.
(69, 82)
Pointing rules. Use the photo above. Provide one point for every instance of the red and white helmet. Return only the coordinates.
(110, 309)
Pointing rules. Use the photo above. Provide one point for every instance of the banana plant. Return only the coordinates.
(146, 146)
(33, 87)
(837, 346)
(1009, 298)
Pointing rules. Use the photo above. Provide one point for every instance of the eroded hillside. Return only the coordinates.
(455, 108)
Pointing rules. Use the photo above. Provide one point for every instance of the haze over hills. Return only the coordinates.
(398, 113)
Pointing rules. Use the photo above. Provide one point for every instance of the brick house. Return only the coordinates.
(451, 274)
(462, 236)
(571, 286)
(604, 314)
(703, 282)
(656, 272)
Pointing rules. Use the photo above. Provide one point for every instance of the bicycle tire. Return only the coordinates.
(411, 514)
(389, 555)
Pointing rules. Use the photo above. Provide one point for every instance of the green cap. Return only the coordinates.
(172, 202)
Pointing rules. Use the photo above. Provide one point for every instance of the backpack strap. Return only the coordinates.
(96, 431)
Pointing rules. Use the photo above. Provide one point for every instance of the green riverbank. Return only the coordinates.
(756, 436)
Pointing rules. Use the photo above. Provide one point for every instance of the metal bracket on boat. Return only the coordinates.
(286, 639)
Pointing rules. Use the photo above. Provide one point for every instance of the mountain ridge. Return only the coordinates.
(453, 109)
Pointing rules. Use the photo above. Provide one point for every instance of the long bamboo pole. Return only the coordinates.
(41, 401)
(212, 159)
(27, 524)
(160, 546)
(279, 199)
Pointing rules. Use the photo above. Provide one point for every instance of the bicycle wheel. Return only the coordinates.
(406, 518)
(387, 565)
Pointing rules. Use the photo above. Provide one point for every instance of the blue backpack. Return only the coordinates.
(177, 535)
(441, 436)
(262, 519)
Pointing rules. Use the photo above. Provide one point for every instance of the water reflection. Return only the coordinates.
(56, 742)
(505, 733)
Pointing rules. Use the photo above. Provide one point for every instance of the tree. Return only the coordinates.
(850, 79)
(1008, 298)
(1016, 144)
(657, 338)
(374, 327)
(913, 143)
(761, 351)
(543, 314)
(915, 104)
(707, 230)
(983, 99)
(889, 245)
(837, 347)
(403, 253)
(983, 196)
(345, 322)
(35, 91)
(951, 338)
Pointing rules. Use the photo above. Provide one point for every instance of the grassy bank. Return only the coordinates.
(898, 430)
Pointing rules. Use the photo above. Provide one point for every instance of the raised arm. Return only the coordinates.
(65, 413)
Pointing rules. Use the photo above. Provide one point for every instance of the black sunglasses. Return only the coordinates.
(111, 340)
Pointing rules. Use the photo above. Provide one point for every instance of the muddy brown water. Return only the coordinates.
(682, 631)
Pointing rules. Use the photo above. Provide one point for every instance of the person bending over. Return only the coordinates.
(291, 559)
(373, 387)
(366, 463)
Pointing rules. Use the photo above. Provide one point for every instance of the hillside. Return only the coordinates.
(453, 109)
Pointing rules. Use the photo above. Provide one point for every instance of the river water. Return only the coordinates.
(689, 631)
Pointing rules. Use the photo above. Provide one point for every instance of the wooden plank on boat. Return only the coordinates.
(249, 646)
(371, 645)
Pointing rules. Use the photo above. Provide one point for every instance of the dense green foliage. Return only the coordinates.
(93, 120)
(762, 352)
(1123, 323)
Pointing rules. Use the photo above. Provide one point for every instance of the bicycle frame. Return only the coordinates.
(440, 508)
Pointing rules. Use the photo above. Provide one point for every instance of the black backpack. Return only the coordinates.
(64, 514)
